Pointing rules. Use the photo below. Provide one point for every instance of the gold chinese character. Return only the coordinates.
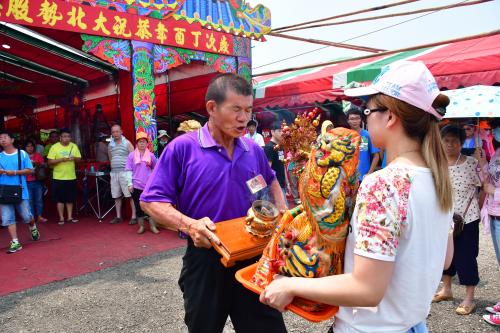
(75, 18)
(19, 9)
(179, 35)
(49, 13)
(143, 29)
(223, 45)
(196, 35)
(211, 42)
(99, 24)
(161, 32)
(120, 26)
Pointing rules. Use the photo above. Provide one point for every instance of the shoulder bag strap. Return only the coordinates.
(19, 166)
(468, 205)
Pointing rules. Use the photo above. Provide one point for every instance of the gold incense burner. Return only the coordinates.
(261, 218)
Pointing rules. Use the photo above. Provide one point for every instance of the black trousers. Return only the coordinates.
(465, 254)
(135, 196)
(211, 293)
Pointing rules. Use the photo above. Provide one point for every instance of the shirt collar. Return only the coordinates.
(206, 140)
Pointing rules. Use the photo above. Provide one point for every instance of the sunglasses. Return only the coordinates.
(367, 112)
(467, 128)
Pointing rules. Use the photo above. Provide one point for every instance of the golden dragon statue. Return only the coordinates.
(309, 241)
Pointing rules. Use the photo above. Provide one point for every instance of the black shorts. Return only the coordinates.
(64, 191)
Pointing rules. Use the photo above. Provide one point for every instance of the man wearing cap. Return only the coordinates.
(162, 141)
(118, 150)
(203, 178)
(252, 133)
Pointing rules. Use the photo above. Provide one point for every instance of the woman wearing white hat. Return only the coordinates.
(402, 219)
(163, 138)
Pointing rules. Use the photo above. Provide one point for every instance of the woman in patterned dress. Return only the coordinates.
(465, 182)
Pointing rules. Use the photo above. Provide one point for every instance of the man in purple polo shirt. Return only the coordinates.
(204, 174)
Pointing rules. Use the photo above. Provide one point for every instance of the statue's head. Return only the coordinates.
(338, 147)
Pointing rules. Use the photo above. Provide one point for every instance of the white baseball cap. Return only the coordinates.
(408, 81)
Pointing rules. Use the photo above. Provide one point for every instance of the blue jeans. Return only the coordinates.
(419, 328)
(35, 189)
(9, 212)
(495, 235)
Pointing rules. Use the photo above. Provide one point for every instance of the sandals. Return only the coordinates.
(439, 298)
(61, 222)
(465, 309)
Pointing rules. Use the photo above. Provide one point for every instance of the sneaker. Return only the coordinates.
(116, 220)
(14, 247)
(132, 221)
(493, 319)
(35, 234)
(495, 309)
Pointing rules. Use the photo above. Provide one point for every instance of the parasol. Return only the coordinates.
(473, 102)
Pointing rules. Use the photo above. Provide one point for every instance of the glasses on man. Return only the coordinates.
(468, 128)
(367, 112)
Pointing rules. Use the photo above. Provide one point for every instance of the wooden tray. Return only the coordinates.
(236, 243)
(244, 276)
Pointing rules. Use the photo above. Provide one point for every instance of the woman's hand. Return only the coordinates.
(480, 156)
(278, 294)
(489, 189)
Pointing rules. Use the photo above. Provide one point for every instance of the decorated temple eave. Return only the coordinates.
(208, 24)
(231, 16)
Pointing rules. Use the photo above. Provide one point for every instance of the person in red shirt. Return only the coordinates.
(35, 186)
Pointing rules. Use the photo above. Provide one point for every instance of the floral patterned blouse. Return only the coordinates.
(382, 211)
(397, 218)
(465, 181)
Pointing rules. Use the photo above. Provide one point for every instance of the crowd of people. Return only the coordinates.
(397, 252)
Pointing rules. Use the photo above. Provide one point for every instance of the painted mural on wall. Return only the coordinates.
(119, 53)
(143, 96)
(115, 51)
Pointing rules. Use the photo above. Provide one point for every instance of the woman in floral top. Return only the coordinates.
(402, 217)
(490, 214)
(465, 182)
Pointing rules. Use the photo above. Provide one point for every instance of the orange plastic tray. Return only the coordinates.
(244, 276)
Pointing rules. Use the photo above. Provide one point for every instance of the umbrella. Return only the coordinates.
(473, 102)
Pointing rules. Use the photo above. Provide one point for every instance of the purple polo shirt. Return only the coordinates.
(195, 174)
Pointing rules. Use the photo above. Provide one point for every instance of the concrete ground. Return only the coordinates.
(142, 296)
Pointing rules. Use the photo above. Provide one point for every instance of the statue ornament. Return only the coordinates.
(309, 240)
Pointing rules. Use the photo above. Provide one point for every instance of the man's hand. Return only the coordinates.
(201, 232)
(131, 188)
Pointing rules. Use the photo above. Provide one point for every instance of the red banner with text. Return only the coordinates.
(61, 15)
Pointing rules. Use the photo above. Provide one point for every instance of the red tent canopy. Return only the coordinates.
(464, 63)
